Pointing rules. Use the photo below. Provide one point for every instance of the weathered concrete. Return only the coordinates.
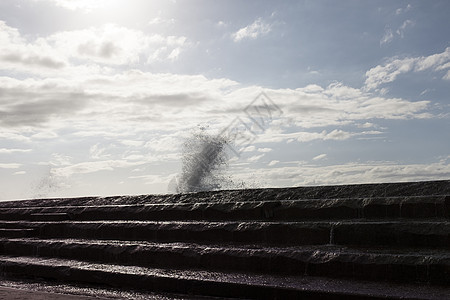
(283, 210)
(7, 293)
(261, 244)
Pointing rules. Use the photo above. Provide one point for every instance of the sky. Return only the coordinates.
(98, 97)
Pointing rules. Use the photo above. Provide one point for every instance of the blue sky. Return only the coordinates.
(97, 97)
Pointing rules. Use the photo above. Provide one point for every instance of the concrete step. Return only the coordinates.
(396, 265)
(383, 190)
(280, 210)
(290, 243)
(59, 290)
(393, 233)
(285, 233)
(219, 284)
(60, 216)
(10, 293)
(17, 232)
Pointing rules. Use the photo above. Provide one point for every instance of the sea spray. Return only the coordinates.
(204, 159)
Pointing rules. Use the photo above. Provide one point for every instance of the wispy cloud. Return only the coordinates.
(91, 167)
(158, 21)
(85, 5)
(406, 24)
(160, 180)
(17, 54)
(10, 166)
(388, 72)
(402, 10)
(320, 156)
(306, 136)
(116, 45)
(104, 102)
(107, 46)
(353, 172)
(253, 31)
(387, 37)
(9, 151)
(273, 163)
(255, 158)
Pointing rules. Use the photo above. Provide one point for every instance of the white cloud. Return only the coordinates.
(143, 115)
(320, 156)
(255, 158)
(10, 166)
(256, 29)
(311, 88)
(86, 5)
(391, 70)
(387, 37)
(154, 179)
(79, 53)
(273, 163)
(132, 143)
(17, 54)
(134, 95)
(249, 149)
(59, 160)
(127, 105)
(406, 24)
(221, 24)
(98, 152)
(20, 173)
(9, 151)
(350, 173)
(91, 167)
(400, 32)
(158, 21)
(15, 136)
(366, 125)
(45, 135)
(335, 134)
(447, 76)
(167, 143)
(117, 45)
(305, 136)
(174, 54)
(30, 102)
(401, 10)
(338, 104)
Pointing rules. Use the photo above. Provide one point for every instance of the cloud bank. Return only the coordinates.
(78, 104)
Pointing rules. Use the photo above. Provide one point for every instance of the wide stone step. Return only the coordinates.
(385, 190)
(286, 210)
(58, 290)
(396, 233)
(195, 231)
(16, 232)
(198, 282)
(55, 216)
(399, 265)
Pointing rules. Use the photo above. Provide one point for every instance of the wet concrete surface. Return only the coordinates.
(20, 294)
(396, 233)
(326, 260)
(406, 189)
(413, 207)
(310, 242)
(35, 290)
(313, 287)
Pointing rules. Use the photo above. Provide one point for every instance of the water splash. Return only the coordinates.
(204, 159)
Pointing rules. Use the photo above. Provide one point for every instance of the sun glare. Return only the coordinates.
(126, 11)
